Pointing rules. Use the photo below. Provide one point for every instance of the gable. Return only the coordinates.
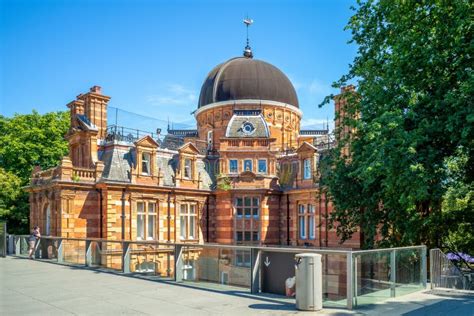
(147, 141)
(188, 148)
(305, 148)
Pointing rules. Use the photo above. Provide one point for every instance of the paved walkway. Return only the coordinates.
(40, 288)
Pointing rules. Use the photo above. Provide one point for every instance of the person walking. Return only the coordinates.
(35, 236)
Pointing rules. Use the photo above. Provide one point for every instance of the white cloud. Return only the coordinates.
(174, 94)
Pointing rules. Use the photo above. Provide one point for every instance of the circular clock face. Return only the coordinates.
(248, 128)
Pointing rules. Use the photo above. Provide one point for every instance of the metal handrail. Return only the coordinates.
(342, 251)
(357, 252)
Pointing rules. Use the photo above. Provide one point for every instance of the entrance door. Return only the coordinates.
(276, 268)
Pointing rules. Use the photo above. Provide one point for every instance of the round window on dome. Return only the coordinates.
(248, 128)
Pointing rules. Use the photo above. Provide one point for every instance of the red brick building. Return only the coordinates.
(248, 174)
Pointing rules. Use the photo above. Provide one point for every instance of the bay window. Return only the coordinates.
(247, 216)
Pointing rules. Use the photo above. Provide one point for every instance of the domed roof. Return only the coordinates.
(244, 78)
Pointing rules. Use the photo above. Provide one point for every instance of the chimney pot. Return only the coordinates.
(96, 89)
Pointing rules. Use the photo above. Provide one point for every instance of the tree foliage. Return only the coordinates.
(26, 141)
(414, 104)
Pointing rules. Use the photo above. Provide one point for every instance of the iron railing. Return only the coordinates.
(445, 274)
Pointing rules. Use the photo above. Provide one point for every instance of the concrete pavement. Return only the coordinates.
(30, 287)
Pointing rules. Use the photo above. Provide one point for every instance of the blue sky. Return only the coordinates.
(151, 57)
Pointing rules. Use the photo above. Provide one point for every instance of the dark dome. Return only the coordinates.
(246, 78)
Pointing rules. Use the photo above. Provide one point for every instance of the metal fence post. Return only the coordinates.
(126, 257)
(17, 240)
(60, 251)
(255, 255)
(393, 273)
(38, 252)
(424, 274)
(88, 259)
(178, 263)
(433, 266)
(349, 282)
(354, 262)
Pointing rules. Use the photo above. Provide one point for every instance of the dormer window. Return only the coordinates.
(248, 128)
(307, 169)
(146, 163)
(187, 168)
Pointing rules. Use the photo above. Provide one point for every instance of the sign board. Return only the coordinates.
(276, 268)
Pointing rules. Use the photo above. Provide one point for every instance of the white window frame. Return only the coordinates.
(151, 217)
(188, 228)
(188, 168)
(146, 163)
(236, 167)
(302, 222)
(147, 216)
(307, 169)
(141, 213)
(266, 166)
(311, 221)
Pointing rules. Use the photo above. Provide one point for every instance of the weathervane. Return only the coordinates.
(248, 51)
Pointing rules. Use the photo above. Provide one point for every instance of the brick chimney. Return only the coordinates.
(95, 108)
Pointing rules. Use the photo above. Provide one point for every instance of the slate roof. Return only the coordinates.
(85, 124)
(234, 128)
(208, 175)
(167, 165)
(117, 164)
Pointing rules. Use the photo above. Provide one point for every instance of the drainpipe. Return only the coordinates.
(123, 214)
(287, 219)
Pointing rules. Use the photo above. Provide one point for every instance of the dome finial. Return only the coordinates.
(248, 50)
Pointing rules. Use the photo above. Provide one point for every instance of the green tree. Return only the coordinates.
(413, 72)
(26, 141)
